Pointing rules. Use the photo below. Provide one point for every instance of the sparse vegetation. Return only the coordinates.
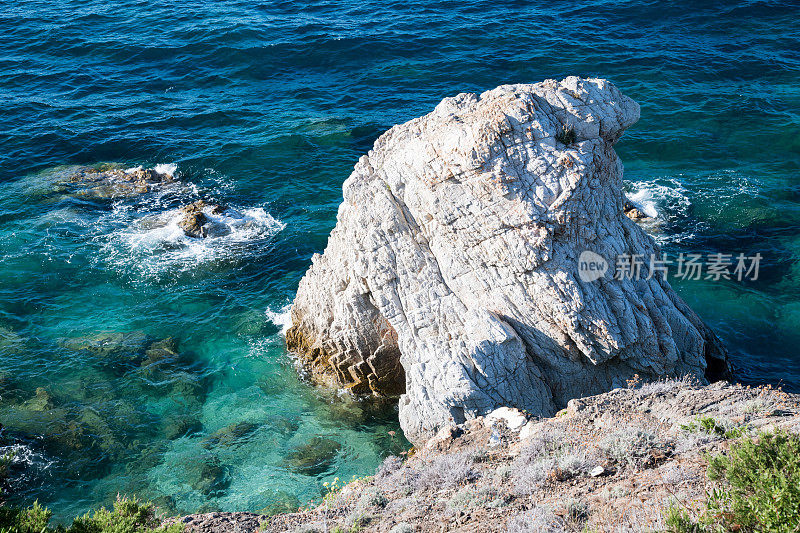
(710, 426)
(661, 386)
(536, 520)
(470, 497)
(5, 462)
(629, 446)
(577, 514)
(566, 136)
(548, 458)
(447, 471)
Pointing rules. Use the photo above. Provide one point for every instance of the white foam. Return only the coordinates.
(133, 169)
(166, 168)
(653, 198)
(24, 455)
(663, 200)
(643, 200)
(281, 318)
(154, 244)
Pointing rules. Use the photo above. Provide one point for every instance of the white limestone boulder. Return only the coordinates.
(451, 276)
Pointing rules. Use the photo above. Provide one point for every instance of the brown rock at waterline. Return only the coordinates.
(633, 212)
(193, 219)
(195, 223)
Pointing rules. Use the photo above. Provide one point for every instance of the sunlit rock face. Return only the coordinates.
(452, 276)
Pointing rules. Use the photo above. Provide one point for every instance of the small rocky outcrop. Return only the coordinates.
(193, 219)
(452, 273)
(219, 522)
(633, 212)
(102, 182)
(195, 223)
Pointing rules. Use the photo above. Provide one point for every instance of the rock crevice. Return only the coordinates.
(452, 273)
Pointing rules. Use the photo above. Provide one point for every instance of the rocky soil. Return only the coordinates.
(612, 462)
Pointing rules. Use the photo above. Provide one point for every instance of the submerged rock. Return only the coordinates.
(280, 501)
(230, 435)
(452, 272)
(41, 401)
(284, 425)
(208, 476)
(102, 182)
(314, 457)
(159, 355)
(10, 342)
(110, 345)
(180, 425)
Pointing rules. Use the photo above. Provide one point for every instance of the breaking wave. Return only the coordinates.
(282, 318)
(667, 202)
(153, 243)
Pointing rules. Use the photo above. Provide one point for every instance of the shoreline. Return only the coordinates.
(617, 461)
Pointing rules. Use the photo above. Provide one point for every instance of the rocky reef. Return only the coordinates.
(107, 181)
(452, 278)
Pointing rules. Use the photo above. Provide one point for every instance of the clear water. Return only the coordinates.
(266, 107)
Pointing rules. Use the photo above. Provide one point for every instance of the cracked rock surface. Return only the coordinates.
(451, 276)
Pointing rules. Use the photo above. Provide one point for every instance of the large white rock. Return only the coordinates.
(451, 274)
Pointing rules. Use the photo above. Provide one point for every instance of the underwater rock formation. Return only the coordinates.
(452, 273)
(101, 182)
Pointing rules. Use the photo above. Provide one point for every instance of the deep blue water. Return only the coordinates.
(266, 107)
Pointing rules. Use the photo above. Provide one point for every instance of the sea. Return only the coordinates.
(137, 360)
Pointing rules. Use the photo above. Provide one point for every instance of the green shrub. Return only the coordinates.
(707, 424)
(566, 136)
(129, 515)
(34, 519)
(5, 461)
(678, 521)
(758, 488)
(761, 488)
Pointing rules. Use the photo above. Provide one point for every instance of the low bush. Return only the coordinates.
(628, 447)
(34, 519)
(129, 515)
(536, 520)
(710, 426)
(758, 488)
(566, 136)
(447, 471)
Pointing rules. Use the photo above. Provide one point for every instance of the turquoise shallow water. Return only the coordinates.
(266, 107)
